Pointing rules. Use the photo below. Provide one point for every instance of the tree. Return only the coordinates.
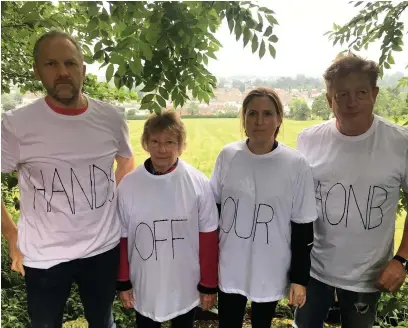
(10, 101)
(366, 28)
(193, 108)
(238, 85)
(163, 46)
(299, 110)
(320, 107)
(102, 91)
(131, 114)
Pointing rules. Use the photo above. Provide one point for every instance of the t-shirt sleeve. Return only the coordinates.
(207, 208)
(405, 178)
(304, 201)
(300, 145)
(121, 212)
(215, 180)
(125, 148)
(10, 150)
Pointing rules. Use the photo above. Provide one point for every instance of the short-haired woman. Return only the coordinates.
(169, 245)
(266, 197)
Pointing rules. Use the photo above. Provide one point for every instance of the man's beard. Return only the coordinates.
(52, 92)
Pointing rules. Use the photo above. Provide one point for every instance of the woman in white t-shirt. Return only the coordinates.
(265, 195)
(169, 245)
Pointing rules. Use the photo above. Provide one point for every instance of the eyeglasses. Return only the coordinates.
(169, 144)
(343, 97)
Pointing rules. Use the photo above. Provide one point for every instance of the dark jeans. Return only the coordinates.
(231, 311)
(182, 321)
(357, 310)
(48, 290)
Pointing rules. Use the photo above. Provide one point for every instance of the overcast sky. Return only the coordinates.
(302, 48)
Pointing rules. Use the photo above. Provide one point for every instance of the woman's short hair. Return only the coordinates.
(166, 121)
(262, 92)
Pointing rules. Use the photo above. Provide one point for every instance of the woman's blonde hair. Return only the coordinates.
(166, 121)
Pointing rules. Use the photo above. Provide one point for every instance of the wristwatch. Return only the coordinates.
(402, 260)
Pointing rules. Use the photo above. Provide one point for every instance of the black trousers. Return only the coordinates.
(48, 290)
(182, 321)
(231, 311)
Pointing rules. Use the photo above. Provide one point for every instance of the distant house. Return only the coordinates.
(315, 93)
(228, 95)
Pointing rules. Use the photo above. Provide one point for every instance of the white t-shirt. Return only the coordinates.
(66, 179)
(260, 195)
(162, 216)
(357, 184)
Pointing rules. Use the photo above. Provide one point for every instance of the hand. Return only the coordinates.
(297, 295)
(207, 300)
(392, 277)
(16, 257)
(127, 299)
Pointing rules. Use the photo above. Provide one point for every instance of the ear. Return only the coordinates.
(36, 74)
(329, 100)
(376, 90)
(84, 70)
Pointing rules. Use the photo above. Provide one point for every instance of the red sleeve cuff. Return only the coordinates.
(209, 259)
(123, 272)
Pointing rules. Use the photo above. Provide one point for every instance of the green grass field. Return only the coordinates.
(207, 136)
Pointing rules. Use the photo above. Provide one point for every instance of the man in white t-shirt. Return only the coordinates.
(359, 163)
(64, 147)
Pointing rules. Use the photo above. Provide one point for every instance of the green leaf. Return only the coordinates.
(149, 87)
(148, 98)
(145, 105)
(211, 54)
(122, 69)
(174, 94)
(247, 36)
(163, 92)
(136, 66)
(28, 7)
(238, 30)
(268, 31)
(98, 46)
(205, 59)
(254, 43)
(230, 25)
(360, 29)
(93, 24)
(146, 50)
(396, 47)
(272, 20)
(262, 49)
(391, 60)
(118, 82)
(156, 107)
(273, 38)
(259, 27)
(115, 58)
(88, 59)
(93, 9)
(109, 73)
(161, 101)
(272, 51)
(98, 55)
